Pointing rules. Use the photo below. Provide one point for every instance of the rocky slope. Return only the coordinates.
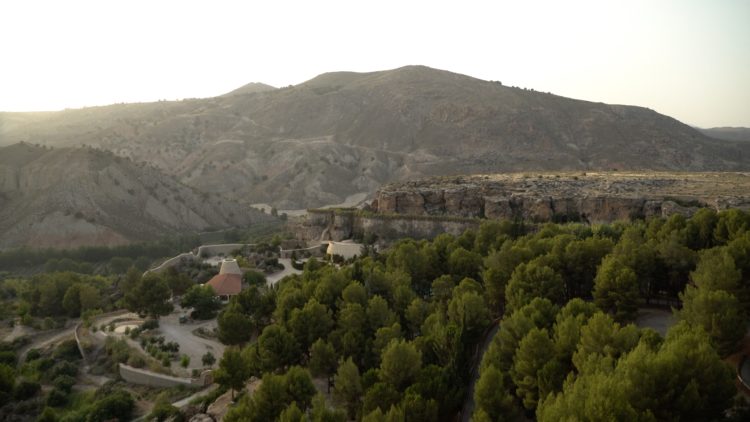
(345, 133)
(728, 133)
(70, 197)
(590, 197)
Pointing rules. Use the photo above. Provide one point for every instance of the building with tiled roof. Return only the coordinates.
(229, 280)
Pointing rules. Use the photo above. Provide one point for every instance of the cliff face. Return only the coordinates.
(335, 225)
(428, 207)
(592, 197)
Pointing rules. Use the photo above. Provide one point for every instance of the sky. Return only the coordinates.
(688, 59)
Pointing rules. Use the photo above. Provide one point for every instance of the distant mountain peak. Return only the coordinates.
(251, 88)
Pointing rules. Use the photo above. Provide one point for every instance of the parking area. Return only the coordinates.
(190, 344)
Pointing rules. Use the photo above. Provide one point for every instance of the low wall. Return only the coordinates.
(153, 379)
(214, 250)
(205, 250)
(81, 349)
(171, 262)
(316, 251)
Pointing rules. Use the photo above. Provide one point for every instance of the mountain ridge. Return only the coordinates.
(345, 133)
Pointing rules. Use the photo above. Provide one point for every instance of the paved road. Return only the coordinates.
(274, 278)
(658, 319)
(190, 344)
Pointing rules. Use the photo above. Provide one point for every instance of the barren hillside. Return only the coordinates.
(344, 133)
(70, 197)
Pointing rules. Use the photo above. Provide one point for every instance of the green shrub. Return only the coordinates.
(63, 368)
(163, 410)
(67, 350)
(136, 361)
(8, 357)
(33, 355)
(149, 324)
(43, 364)
(208, 359)
(117, 405)
(26, 389)
(64, 383)
(57, 398)
(48, 415)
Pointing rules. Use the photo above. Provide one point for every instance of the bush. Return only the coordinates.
(64, 383)
(149, 324)
(252, 277)
(8, 357)
(136, 361)
(64, 368)
(57, 398)
(163, 410)
(26, 389)
(116, 405)
(67, 350)
(33, 355)
(118, 350)
(44, 364)
(171, 347)
(48, 415)
(208, 359)
(48, 323)
(185, 361)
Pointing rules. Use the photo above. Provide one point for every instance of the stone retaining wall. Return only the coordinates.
(81, 349)
(171, 262)
(153, 379)
(214, 250)
(316, 251)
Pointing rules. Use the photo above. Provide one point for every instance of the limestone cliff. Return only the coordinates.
(586, 197)
(425, 208)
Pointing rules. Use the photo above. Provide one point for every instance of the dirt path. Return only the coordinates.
(469, 404)
(19, 330)
(44, 340)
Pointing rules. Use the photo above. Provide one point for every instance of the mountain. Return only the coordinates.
(251, 88)
(347, 133)
(68, 197)
(728, 133)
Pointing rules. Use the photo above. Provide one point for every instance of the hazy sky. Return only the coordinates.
(688, 59)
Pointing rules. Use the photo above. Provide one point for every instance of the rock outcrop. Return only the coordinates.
(586, 197)
(428, 207)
